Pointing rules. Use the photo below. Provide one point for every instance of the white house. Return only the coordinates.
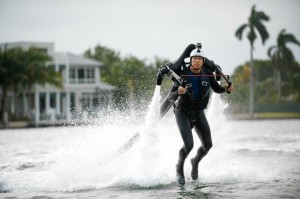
(83, 94)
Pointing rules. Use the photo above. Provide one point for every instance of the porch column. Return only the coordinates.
(25, 104)
(47, 102)
(68, 106)
(77, 102)
(12, 105)
(57, 103)
(37, 107)
(67, 69)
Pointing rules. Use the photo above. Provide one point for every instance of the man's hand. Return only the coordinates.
(181, 90)
(229, 88)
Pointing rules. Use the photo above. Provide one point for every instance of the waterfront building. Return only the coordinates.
(82, 97)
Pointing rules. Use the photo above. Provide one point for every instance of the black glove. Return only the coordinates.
(218, 72)
(218, 68)
(162, 72)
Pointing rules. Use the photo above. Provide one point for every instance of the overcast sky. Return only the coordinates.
(148, 28)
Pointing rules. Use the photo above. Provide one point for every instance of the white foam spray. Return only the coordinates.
(69, 158)
(147, 149)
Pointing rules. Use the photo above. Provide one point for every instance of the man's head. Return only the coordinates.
(197, 58)
(197, 53)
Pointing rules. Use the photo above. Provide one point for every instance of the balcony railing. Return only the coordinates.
(82, 81)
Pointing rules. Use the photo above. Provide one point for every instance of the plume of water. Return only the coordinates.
(72, 158)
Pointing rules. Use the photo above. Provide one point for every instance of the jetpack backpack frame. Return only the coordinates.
(174, 68)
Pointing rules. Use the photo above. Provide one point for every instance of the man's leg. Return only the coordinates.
(203, 130)
(184, 126)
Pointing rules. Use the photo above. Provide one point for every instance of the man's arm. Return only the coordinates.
(214, 84)
(174, 92)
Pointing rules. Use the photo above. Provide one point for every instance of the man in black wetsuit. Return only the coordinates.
(189, 106)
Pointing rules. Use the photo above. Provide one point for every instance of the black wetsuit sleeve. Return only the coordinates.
(174, 92)
(214, 84)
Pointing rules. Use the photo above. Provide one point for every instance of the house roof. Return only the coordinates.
(73, 59)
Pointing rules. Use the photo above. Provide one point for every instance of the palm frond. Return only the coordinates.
(262, 16)
(262, 31)
(240, 30)
(270, 51)
(289, 38)
(287, 56)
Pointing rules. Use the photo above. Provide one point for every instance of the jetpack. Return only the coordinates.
(172, 69)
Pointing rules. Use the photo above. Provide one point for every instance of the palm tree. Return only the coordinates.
(23, 68)
(10, 76)
(282, 56)
(4, 82)
(38, 72)
(18, 76)
(254, 23)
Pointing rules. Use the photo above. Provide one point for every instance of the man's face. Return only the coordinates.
(197, 62)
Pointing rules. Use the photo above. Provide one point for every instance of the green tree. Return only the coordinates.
(254, 23)
(108, 57)
(37, 71)
(134, 81)
(264, 89)
(18, 77)
(133, 78)
(293, 79)
(20, 69)
(265, 92)
(282, 57)
(241, 81)
(10, 76)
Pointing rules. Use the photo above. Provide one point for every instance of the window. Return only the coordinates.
(72, 76)
(72, 73)
(62, 67)
(80, 76)
(91, 75)
(52, 100)
(42, 50)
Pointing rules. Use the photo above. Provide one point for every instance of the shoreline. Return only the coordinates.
(265, 116)
(245, 116)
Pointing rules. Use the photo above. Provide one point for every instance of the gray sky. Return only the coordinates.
(148, 28)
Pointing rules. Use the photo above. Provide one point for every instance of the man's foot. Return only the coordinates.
(194, 172)
(180, 174)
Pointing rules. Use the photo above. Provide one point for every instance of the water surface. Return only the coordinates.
(249, 159)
